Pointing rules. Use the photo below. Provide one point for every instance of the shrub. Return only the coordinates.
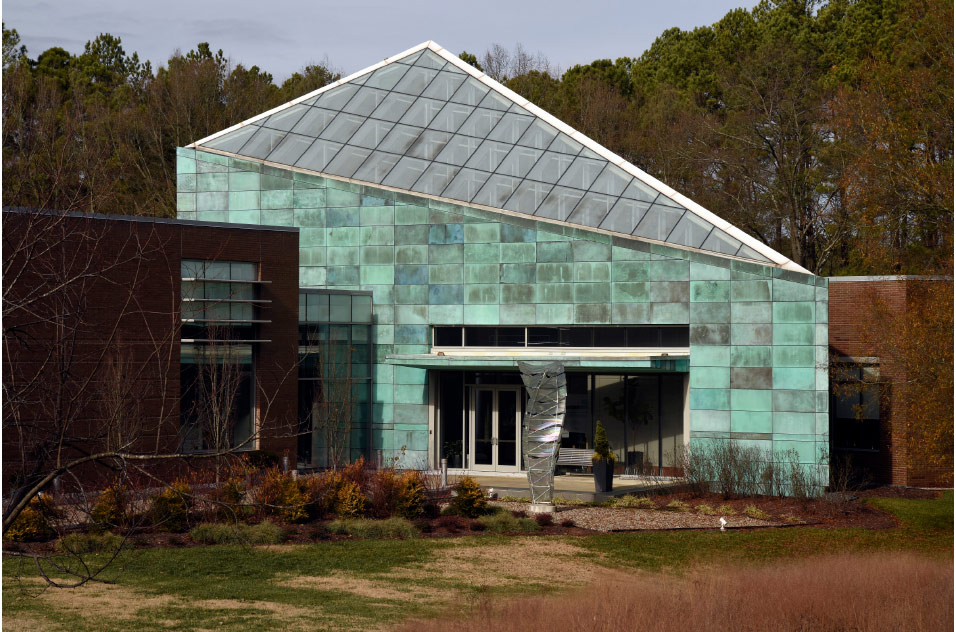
(411, 495)
(35, 521)
(357, 472)
(726, 510)
(321, 491)
(706, 510)
(732, 470)
(793, 519)
(109, 510)
(349, 501)
(544, 519)
(361, 528)
(567, 522)
(262, 459)
(632, 502)
(228, 498)
(504, 522)
(383, 492)
(677, 505)
(469, 499)
(754, 512)
(452, 523)
(281, 495)
(602, 447)
(518, 513)
(170, 509)
(220, 533)
(79, 543)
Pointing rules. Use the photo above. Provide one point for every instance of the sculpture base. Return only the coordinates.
(540, 508)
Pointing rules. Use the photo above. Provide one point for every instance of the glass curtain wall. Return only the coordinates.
(334, 377)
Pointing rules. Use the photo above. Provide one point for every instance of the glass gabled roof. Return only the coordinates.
(429, 123)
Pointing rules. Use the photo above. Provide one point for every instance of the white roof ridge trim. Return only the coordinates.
(594, 146)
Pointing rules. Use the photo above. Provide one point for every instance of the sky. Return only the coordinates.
(282, 36)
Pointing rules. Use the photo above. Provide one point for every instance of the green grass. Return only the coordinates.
(254, 576)
(223, 533)
(925, 526)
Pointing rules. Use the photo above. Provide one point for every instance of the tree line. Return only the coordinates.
(823, 129)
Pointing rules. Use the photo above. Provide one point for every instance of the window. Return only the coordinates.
(855, 406)
(544, 337)
(219, 300)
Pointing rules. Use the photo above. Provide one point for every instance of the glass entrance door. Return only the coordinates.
(495, 427)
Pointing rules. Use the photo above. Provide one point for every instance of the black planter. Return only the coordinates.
(603, 475)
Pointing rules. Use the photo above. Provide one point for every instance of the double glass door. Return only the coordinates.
(495, 428)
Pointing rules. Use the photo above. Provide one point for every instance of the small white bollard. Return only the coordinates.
(444, 472)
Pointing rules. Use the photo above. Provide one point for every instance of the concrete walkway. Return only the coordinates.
(571, 486)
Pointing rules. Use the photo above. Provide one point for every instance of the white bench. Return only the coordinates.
(577, 457)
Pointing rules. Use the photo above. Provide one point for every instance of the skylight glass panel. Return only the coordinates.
(410, 59)
(517, 109)
(458, 150)
(587, 153)
(471, 92)
(386, 77)
(405, 173)
(342, 128)
(637, 190)
(496, 191)
(376, 167)
(612, 181)
(371, 133)
(480, 122)
(528, 196)
(435, 179)
(489, 155)
(519, 162)
(466, 184)
(234, 140)
(429, 59)
(336, 98)
(510, 128)
(450, 67)
(625, 216)
(592, 209)
(690, 231)
(750, 253)
(393, 106)
(290, 149)
(719, 241)
(658, 222)
(451, 117)
(311, 101)
(495, 101)
(422, 112)
(286, 119)
(314, 121)
(551, 167)
(539, 135)
(318, 155)
(565, 144)
(360, 80)
(400, 139)
(581, 173)
(559, 203)
(443, 86)
(428, 145)
(666, 201)
(347, 161)
(416, 80)
(262, 143)
(365, 101)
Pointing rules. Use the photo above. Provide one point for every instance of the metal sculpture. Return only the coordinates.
(543, 421)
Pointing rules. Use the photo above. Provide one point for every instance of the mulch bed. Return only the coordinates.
(832, 511)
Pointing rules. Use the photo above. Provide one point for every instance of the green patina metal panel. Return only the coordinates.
(758, 334)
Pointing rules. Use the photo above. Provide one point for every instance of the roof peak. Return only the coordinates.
(426, 121)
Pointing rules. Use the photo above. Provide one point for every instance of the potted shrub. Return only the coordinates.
(602, 461)
(452, 452)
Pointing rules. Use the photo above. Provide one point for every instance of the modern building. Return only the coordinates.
(468, 229)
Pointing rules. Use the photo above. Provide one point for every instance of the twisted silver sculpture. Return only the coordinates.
(543, 420)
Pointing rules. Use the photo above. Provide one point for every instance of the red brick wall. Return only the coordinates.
(122, 305)
(851, 305)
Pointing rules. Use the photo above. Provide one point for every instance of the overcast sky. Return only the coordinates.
(281, 36)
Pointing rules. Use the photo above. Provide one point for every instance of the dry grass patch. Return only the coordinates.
(890, 591)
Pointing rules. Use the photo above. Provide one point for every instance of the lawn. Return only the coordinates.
(377, 584)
